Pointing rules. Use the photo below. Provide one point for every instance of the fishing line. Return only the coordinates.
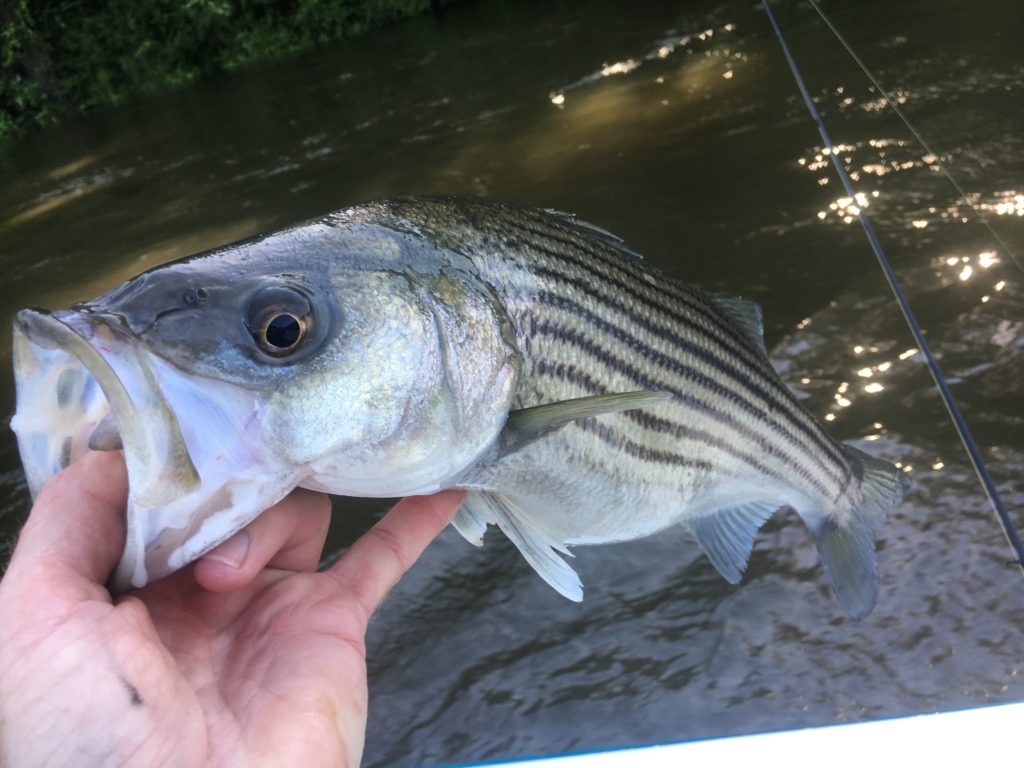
(933, 366)
(927, 148)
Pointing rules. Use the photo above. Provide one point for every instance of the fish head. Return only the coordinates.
(344, 356)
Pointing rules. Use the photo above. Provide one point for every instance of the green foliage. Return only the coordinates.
(22, 101)
(64, 57)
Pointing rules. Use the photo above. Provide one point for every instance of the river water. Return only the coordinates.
(679, 128)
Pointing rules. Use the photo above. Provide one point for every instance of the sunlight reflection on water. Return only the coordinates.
(678, 129)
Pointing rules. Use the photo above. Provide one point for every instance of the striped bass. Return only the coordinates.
(410, 345)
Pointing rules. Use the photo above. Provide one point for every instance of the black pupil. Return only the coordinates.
(283, 332)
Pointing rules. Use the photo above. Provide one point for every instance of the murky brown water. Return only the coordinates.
(679, 128)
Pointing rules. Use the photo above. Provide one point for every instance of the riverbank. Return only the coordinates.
(68, 57)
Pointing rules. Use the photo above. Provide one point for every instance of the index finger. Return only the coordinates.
(375, 563)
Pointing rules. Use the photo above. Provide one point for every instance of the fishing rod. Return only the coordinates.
(1012, 538)
(920, 139)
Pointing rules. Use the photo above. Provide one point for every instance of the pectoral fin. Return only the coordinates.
(727, 535)
(529, 424)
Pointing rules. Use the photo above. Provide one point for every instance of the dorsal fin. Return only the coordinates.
(746, 316)
(611, 239)
(727, 535)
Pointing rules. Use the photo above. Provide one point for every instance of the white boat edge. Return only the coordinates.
(972, 736)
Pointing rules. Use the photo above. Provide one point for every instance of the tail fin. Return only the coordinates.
(847, 547)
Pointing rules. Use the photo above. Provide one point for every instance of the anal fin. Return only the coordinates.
(727, 535)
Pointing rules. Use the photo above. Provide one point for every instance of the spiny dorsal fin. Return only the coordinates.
(727, 535)
(529, 424)
(746, 315)
(611, 239)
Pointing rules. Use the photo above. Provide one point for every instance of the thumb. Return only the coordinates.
(75, 532)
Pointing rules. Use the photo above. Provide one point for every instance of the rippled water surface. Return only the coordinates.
(677, 126)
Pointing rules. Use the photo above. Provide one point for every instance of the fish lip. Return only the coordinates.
(48, 329)
(74, 367)
(153, 443)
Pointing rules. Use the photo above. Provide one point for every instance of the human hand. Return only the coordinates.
(248, 657)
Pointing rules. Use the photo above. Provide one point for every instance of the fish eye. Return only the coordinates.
(281, 333)
(280, 318)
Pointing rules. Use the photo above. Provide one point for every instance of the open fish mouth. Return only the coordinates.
(197, 469)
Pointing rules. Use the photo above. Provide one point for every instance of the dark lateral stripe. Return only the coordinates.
(642, 380)
(582, 250)
(580, 239)
(564, 242)
(628, 277)
(754, 384)
(573, 375)
(620, 442)
(583, 256)
(665, 426)
(747, 358)
(765, 401)
(755, 388)
(561, 243)
(743, 358)
(716, 326)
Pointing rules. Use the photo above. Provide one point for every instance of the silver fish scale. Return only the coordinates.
(729, 448)
(591, 319)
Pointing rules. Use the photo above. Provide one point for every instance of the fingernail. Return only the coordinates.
(232, 552)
